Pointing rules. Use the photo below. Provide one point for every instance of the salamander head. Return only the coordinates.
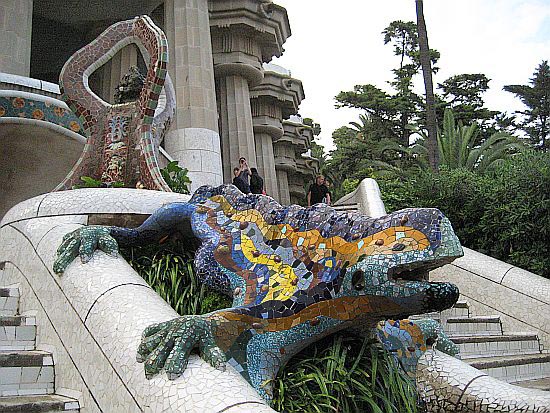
(416, 242)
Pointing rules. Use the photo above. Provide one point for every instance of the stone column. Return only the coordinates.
(265, 160)
(275, 99)
(15, 36)
(284, 191)
(237, 134)
(193, 139)
(245, 33)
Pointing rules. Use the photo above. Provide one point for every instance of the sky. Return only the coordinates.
(338, 44)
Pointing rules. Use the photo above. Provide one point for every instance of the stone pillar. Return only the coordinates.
(237, 134)
(193, 139)
(15, 36)
(284, 192)
(245, 33)
(265, 160)
(289, 162)
(275, 99)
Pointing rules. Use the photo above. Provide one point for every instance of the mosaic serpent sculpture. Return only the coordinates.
(122, 139)
(295, 275)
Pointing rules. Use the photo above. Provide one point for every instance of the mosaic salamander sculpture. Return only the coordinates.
(295, 275)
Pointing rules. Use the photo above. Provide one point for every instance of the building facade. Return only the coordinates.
(230, 101)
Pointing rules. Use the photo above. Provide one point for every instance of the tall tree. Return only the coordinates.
(536, 97)
(425, 62)
(464, 95)
(391, 113)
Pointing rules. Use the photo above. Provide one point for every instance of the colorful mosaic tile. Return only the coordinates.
(24, 108)
(295, 275)
(123, 139)
(408, 340)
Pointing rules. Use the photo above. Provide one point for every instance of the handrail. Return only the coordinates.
(367, 196)
(96, 312)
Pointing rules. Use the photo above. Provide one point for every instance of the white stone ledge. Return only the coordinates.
(102, 307)
(499, 272)
(367, 196)
(92, 201)
(30, 83)
(449, 385)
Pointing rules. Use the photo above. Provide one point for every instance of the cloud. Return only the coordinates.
(335, 46)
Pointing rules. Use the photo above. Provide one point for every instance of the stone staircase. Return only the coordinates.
(27, 375)
(518, 358)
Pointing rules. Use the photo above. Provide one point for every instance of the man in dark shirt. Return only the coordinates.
(239, 183)
(318, 192)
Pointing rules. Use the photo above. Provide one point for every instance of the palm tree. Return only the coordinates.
(425, 62)
(457, 148)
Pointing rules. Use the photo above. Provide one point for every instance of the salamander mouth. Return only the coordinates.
(406, 273)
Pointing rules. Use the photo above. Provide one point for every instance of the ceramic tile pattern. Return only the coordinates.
(122, 145)
(46, 111)
(448, 385)
(408, 340)
(295, 275)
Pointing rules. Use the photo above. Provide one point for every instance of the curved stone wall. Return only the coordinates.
(521, 298)
(92, 316)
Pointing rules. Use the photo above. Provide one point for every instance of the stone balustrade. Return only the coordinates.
(92, 316)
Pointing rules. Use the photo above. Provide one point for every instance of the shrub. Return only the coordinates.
(168, 269)
(176, 177)
(504, 213)
(346, 374)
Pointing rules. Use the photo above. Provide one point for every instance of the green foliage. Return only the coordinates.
(168, 269)
(504, 212)
(349, 185)
(536, 97)
(516, 221)
(390, 114)
(458, 146)
(176, 177)
(94, 183)
(463, 94)
(344, 374)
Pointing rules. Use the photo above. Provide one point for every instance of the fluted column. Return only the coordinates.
(15, 36)
(284, 191)
(193, 139)
(265, 160)
(245, 33)
(237, 132)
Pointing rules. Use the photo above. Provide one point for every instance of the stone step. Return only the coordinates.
(497, 345)
(25, 373)
(9, 301)
(34, 404)
(478, 325)
(513, 369)
(460, 309)
(17, 332)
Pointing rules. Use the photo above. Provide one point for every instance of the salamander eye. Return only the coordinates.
(357, 280)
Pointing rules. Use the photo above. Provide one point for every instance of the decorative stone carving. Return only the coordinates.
(122, 139)
(295, 275)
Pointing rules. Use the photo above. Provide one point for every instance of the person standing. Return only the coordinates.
(238, 182)
(318, 192)
(244, 174)
(256, 182)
